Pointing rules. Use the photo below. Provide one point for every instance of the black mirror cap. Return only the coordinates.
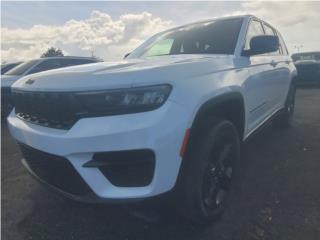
(263, 44)
(126, 55)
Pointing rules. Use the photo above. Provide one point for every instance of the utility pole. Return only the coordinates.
(298, 47)
(92, 52)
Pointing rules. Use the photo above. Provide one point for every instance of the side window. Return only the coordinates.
(46, 65)
(162, 47)
(270, 31)
(283, 45)
(254, 29)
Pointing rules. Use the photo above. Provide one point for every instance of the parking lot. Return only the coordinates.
(278, 196)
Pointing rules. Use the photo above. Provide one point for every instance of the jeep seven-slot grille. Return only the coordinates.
(50, 109)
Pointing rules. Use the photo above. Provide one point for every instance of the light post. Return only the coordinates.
(298, 47)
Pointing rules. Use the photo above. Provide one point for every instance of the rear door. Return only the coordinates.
(280, 81)
(286, 65)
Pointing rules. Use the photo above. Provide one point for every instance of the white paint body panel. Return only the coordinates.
(195, 79)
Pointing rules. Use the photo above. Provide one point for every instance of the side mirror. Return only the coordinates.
(126, 55)
(262, 44)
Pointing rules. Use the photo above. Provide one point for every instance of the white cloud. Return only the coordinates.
(109, 38)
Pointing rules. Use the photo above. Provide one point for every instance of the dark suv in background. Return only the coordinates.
(308, 67)
(8, 66)
(34, 66)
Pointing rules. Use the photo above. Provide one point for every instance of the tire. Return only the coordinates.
(209, 168)
(284, 120)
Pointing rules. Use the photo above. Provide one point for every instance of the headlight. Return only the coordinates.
(122, 101)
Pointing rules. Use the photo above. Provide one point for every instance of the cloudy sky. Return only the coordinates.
(111, 29)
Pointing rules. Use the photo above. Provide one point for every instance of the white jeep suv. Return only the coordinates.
(170, 116)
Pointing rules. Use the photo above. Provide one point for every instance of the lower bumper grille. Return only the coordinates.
(55, 171)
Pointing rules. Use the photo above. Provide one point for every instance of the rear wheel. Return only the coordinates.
(284, 120)
(209, 171)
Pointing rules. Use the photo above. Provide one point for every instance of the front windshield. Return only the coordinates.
(213, 37)
(22, 68)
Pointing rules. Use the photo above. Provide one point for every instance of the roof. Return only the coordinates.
(209, 20)
(226, 17)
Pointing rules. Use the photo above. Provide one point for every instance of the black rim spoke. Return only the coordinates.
(218, 177)
(225, 152)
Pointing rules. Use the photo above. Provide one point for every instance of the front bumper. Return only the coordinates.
(161, 131)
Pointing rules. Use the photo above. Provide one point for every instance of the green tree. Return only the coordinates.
(53, 52)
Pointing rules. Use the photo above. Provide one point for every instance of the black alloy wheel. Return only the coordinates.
(208, 171)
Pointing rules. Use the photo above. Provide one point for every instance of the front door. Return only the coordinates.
(259, 87)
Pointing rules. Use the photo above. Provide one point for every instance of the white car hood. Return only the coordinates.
(126, 73)
(8, 80)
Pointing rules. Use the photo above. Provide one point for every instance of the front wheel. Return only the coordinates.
(209, 171)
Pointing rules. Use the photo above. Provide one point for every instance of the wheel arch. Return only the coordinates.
(228, 105)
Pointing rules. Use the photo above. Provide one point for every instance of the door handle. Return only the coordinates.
(273, 63)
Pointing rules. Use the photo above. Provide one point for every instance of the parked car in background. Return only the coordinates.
(34, 66)
(308, 67)
(167, 119)
(7, 66)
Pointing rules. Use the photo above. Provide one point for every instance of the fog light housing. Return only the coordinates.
(132, 168)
